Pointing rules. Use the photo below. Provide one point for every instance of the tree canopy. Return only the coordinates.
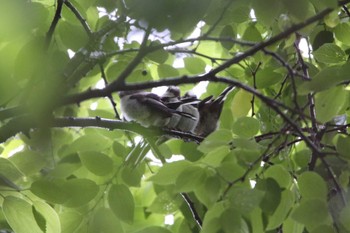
(279, 161)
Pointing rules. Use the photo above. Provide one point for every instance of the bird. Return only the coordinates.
(189, 106)
(209, 113)
(171, 96)
(146, 108)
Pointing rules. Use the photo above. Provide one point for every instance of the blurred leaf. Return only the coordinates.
(159, 56)
(194, 65)
(267, 77)
(169, 172)
(343, 147)
(312, 185)
(342, 33)
(267, 12)
(154, 229)
(96, 162)
(311, 213)
(79, 191)
(52, 222)
(241, 103)
(246, 127)
(245, 199)
(227, 33)
(105, 221)
(50, 190)
(330, 54)
(167, 71)
(329, 103)
(121, 202)
(218, 138)
(70, 221)
(272, 195)
(189, 179)
(282, 211)
(280, 175)
(29, 162)
(323, 37)
(19, 215)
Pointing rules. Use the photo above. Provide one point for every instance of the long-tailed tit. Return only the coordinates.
(172, 96)
(189, 106)
(146, 108)
(210, 111)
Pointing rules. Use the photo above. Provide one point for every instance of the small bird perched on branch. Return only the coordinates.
(188, 104)
(210, 110)
(146, 108)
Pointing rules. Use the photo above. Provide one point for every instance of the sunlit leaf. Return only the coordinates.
(246, 127)
(330, 54)
(96, 162)
(121, 202)
(19, 215)
(169, 172)
(311, 213)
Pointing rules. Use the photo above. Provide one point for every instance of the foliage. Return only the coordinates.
(279, 161)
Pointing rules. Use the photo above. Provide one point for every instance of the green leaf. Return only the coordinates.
(267, 77)
(227, 33)
(132, 176)
(70, 221)
(105, 221)
(90, 142)
(267, 11)
(52, 221)
(96, 162)
(329, 103)
(344, 217)
(246, 127)
(322, 4)
(50, 190)
(166, 71)
(312, 185)
(154, 229)
(190, 178)
(343, 146)
(164, 203)
(231, 221)
(121, 202)
(77, 36)
(342, 33)
(218, 138)
(323, 229)
(245, 199)
(80, 192)
(241, 103)
(292, 226)
(252, 34)
(29, 162)
(169, 172)
(215, 157)
(326, 78)
(302, 157)
(272, 195)
(19, 215)
(282, 211)
(280, 175)
(9, 170)
(194, 65)
(298, 8)
(322, 38)
(330, 54)
(159, 56)
(207, 191)
(312, 213)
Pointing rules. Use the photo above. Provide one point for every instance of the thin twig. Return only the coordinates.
(54, 23)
